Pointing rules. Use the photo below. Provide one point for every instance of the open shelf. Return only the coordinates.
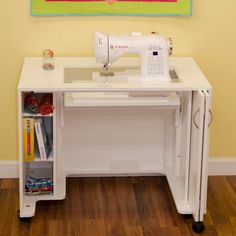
(85, 99)
(39, 170)
(38, 159)
(27, 114)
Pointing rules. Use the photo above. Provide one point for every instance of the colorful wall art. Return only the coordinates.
(111, 7)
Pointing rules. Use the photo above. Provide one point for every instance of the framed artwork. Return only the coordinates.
(111, 7)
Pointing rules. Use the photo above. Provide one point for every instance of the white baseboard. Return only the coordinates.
(222, 166)
(216, 166)
(9, 169)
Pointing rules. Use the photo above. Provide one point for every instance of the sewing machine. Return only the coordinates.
(154, 51)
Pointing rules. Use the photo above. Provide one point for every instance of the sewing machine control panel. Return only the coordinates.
(155, 63)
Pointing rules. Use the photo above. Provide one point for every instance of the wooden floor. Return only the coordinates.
(137, 206)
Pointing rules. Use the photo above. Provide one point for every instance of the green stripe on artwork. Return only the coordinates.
(40, 7)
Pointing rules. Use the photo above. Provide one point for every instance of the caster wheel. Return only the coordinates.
(198, 227)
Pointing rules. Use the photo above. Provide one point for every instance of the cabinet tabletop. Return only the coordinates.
(76, 73)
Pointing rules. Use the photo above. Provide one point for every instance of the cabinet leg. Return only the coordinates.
(187, 216)
(23, 219)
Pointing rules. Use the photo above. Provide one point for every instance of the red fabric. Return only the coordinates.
(30, 100)
(46, 106)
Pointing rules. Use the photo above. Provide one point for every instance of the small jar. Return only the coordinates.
(48, 59)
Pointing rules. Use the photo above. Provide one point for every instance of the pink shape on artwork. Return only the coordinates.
(111, 1)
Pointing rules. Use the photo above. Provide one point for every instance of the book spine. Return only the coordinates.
(28, 134)
(46, 142)
(38, 131)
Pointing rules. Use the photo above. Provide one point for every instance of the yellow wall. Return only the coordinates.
(209, 36)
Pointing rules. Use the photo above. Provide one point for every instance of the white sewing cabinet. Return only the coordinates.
(121, 126)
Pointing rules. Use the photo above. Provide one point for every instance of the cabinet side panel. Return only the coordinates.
(20, 150)
(196, 152)
(205, 152)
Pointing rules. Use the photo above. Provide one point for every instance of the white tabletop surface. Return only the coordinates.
(34, 78)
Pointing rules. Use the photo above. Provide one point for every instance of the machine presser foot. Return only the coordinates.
(198, 227)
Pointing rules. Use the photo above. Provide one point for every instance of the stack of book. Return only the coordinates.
(42, 138)
(36, 126)
(28, 133)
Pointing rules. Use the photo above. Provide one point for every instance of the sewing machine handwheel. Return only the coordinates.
(198, 227)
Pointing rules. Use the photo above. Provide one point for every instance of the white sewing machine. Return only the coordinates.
(154, 51)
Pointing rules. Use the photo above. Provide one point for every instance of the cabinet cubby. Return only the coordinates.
(40, 168)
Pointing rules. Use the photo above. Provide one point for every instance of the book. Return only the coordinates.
(28, 139)
(42, 139)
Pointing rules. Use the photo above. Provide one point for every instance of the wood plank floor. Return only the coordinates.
(136, 206)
